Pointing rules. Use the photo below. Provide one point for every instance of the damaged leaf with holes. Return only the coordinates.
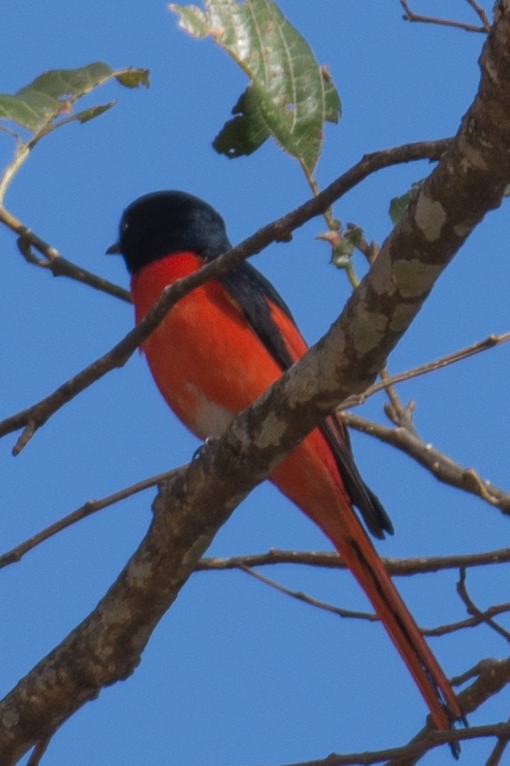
(289, 96)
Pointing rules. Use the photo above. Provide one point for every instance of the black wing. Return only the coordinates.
(252, 291)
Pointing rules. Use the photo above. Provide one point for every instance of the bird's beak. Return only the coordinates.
(114, 249)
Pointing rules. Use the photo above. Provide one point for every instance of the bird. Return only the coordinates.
(216, 351)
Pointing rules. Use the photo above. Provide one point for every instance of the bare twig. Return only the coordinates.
(306, 599)
(403, 566)
(490, 677)
(477, 618)
(439, 464)
(60, 267)
(499, 749)
(412, 751)
(473, 610)
(409, 15)
(38, 751)
(53, 261)
(87, 509)
(396, 567)
(471, 622)
(480, 13)
(464, 353)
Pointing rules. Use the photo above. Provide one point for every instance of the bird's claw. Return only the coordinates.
(207, 441)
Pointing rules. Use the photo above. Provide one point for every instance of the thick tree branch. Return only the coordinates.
(468, 182)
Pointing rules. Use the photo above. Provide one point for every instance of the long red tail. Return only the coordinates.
(308, 478)
(359, 555)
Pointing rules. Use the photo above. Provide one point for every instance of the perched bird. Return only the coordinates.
(217, 350)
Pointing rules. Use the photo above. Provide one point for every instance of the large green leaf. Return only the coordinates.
(290, 96)
(53, 94)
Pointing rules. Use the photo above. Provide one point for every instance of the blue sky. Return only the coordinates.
(236, 673)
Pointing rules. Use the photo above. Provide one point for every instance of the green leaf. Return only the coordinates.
(192, 19)
(132, 78)
(53, 94)
(289, 97)
(247, 131)
(398, 205)
(94, 111)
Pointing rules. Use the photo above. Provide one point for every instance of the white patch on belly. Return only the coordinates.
(210, 419)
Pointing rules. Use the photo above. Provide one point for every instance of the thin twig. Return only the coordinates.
(396, 567)
(497, 753)
(490, 677)
(60, 267)
(87, 509)
(473, 610)
(306, 599)
(38, 751)
(471, 622)
(409, 15)
(441, 630)
(481, 14)
(412, 750)
(399, 415)
(464, 353)
(440, 465)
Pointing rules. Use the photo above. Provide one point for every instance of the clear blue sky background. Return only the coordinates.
(236, 673)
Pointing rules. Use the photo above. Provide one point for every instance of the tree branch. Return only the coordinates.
(477, 616)
(440, 465)
(53, 261)
(309, 600)
(60, 267)
(469, 181)
(396, 567)
(491, 676)
(409, 15)
(87, 509)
